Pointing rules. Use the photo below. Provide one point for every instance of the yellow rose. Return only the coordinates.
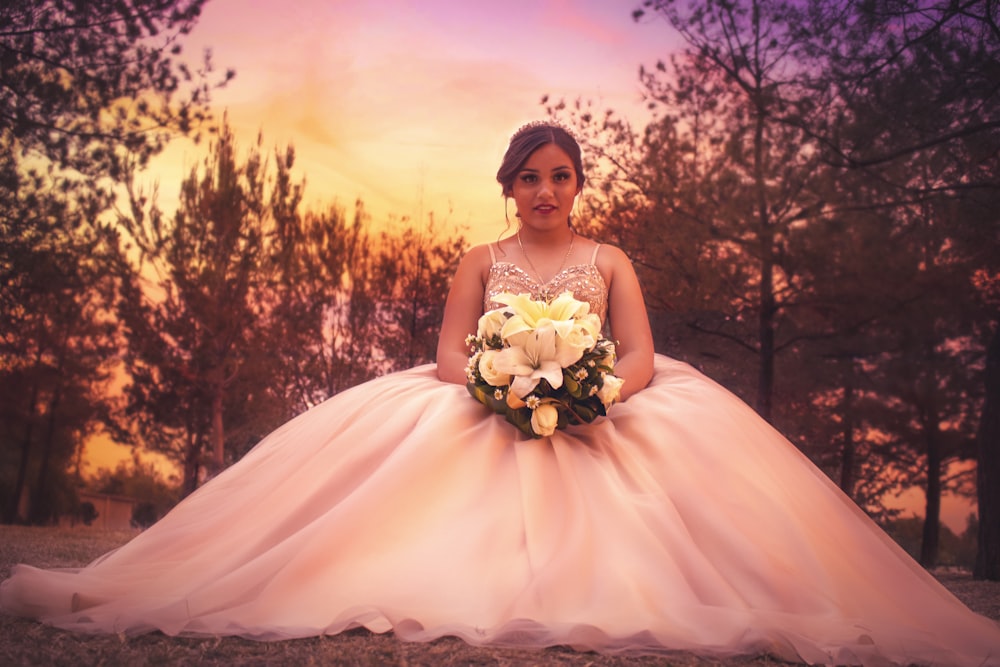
(488, 369)
(544, 419)
(591, 323)
(491, 323)
(570, 348)
(611, 390)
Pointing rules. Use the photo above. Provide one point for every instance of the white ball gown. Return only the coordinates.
(682, 521)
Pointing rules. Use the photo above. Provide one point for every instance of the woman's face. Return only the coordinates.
(545, 188)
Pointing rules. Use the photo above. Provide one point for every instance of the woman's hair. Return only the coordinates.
(528, 139)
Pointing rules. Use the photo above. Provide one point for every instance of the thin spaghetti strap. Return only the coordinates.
(493, 255)
(593, 258)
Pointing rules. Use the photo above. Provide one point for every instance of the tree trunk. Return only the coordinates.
(932, 514)
(11, 513)
(192, 460)
(415, 286)
(41, 505)
(988, 468)
(765, 377)
(847, 460)
(765, 322)
(218, 434)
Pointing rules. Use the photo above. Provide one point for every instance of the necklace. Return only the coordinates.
(542, 284)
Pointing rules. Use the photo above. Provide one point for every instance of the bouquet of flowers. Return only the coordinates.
(542, 364)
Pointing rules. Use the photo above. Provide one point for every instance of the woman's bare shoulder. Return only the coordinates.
(477, 260)
(611, 259)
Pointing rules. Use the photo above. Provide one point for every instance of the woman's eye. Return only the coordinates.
(528, 178)
(562, 176)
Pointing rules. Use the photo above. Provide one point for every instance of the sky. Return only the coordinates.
(408, 105)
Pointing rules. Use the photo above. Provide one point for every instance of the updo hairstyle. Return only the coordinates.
(528, 139)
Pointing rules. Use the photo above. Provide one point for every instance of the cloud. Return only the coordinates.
(589, 21)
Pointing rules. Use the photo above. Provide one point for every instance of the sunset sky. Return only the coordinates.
(409, 104)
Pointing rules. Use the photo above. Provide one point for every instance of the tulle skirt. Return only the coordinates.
(680, 522)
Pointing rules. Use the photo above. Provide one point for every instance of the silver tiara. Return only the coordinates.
(542, 123)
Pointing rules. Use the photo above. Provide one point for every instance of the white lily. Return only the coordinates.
(535, 359)
(530, 314)
(566, 307)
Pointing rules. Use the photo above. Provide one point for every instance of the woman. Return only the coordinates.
(681, 521)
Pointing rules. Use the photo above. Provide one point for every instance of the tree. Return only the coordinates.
(259, 310)
(84, 87)
(83, 81)
(912, 361)
(718, 168)
(325, 324)
(987, 564)
(57, 338)
(907, 97)
(355, 302)
(189, 335)
(834, 406)
(413, 271)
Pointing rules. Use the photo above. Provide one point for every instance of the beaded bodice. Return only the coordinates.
(583, 280)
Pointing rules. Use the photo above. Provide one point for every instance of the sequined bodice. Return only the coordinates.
(583, 280)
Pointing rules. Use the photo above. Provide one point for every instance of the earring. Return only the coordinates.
(576, 207)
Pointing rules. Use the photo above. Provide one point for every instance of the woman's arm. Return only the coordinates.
(462, 311)
(629, 320)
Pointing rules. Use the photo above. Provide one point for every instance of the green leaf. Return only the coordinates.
(521, 418)
(572, 385)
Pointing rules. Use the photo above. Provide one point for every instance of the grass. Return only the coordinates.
(24, 642)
